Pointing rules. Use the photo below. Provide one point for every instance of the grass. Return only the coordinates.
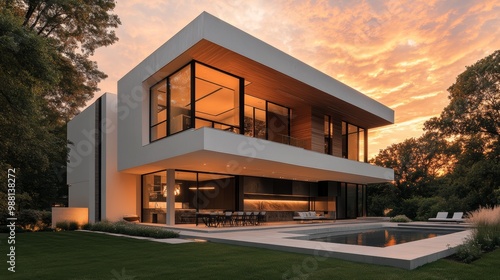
(85, 255)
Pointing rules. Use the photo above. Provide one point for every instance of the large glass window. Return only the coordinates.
(217, 96)
(353, 142)
(352, 201)
(194, 191)
(154, 197)
(159, 110)
(180, 100)
(278, 123)
(267, 120)
(255, 117)
(328, 132)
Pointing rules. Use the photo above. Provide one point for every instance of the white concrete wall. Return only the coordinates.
(81, 166)
(120, 190)
(70, 214)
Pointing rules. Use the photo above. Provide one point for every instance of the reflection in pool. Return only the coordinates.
(382, 237)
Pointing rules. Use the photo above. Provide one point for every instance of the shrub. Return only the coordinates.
(132, 229)
(429, 207)
(485, 236)
(487, 227)
(73, 225)
(469, 251)
(67, 225)
(86, 226)
(400, 219)
(34, 220)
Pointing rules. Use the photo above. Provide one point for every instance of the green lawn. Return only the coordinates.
(82, 255)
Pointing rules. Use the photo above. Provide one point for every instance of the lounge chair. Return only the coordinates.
(457, 217)
(440, 216)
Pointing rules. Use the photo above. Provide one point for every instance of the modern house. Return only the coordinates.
(215, 120)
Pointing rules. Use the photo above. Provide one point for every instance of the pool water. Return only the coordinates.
(382, 237)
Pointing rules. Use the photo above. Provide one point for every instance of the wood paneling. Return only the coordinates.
(318, 131)
(337, 135)
(300, 125)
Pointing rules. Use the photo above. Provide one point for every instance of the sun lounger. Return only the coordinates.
(457, 217)
(440, 216)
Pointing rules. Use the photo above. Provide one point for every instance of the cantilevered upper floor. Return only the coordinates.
(214, 75)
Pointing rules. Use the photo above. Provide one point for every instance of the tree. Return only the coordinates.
(417, 163)
(76, 28)
(474, 109)
(455, 165)
(471, 122)
(46, 76)
(419, 166)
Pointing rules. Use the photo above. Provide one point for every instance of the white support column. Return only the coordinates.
(170, 196)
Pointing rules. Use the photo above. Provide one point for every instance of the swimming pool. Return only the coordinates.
(380, 237)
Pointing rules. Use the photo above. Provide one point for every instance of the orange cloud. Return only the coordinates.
(404, 54)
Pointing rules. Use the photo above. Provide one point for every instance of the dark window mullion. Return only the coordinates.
(241, 105)
(193, 94)
(168, 119)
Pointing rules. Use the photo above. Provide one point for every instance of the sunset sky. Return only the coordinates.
(404, 54)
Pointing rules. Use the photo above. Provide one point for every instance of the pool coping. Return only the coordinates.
(407, 256)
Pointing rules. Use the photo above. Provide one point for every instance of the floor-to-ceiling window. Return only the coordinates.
(255, 117)
(179, 85)
(354, 142)
(217, 97)
(278, 123)
(159, 110)
(197, 96)
(328, 132)
(267, 120)
(154, 197)
(351, 202)
(194, 192)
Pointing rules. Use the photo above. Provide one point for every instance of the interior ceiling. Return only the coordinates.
(270, 84)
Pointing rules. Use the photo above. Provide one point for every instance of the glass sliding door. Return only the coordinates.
(352, 201)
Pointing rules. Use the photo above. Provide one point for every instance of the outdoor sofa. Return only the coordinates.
(309, 216)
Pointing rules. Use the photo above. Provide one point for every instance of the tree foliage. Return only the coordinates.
(455, 165)
(474, 109)
(75, 28)
(46, 76)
